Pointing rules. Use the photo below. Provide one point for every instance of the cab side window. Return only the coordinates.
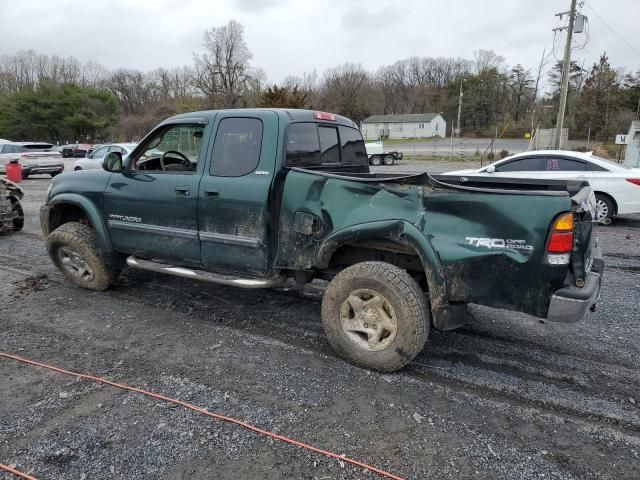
(521, 165)
(236, 149)
(172, 149)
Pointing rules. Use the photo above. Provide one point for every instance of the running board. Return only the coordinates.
(196, 274)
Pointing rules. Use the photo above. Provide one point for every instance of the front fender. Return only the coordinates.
(92, 212)
(398, 231)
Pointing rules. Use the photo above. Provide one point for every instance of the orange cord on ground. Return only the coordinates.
(217, 416)
(17, 473)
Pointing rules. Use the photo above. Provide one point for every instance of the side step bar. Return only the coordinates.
(196, 274)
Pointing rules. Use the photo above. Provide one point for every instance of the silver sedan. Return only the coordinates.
(94, 160)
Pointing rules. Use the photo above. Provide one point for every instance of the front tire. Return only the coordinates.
(605, 209)
(376, 316)
(74, 249)
(376, 161)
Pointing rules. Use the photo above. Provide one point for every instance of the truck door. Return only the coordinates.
(151, 207)
(233, 200)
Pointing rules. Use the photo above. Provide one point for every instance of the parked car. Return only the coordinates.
(254, 197)
(94, 160)
(617, 188)
(33, 162)
(93, 148)
(75, 150)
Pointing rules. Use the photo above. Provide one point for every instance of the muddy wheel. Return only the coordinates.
(18, 222)
(376, 160)
(73, 248)
(604, 209)
(375, 316)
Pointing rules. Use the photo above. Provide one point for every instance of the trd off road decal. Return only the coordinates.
(124, 218)
(499, 243)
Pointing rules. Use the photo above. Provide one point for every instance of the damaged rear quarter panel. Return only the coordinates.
(509, 273)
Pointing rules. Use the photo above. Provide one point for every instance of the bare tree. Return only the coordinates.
(222, 72)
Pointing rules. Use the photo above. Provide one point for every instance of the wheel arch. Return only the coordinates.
(387, 234)
(610, 197)
(70, 207)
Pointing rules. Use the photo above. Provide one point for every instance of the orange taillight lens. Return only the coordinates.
(564, 222)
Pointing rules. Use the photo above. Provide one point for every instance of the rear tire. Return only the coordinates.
(74, 249)
(376, 161)
(376, 316)
(605, 209)
(389, 160)
(55, 173)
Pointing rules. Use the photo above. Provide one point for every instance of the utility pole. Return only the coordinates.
(566, 64)
(459, 110)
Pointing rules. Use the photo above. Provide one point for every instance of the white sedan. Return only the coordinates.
(94, 160)
(617, 187)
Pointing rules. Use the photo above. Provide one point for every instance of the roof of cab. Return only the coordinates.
(289, 115)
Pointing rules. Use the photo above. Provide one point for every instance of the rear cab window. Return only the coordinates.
(313, 145)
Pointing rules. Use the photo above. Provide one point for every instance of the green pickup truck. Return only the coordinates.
(259, 197)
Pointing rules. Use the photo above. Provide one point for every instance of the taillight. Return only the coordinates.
(635, 181)
(324, 116)
(560, 242)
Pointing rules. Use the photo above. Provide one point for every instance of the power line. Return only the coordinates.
(613, 30)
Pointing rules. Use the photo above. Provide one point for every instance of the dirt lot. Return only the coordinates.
(506, 397)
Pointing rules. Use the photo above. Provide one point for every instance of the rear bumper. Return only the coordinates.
(573, 304)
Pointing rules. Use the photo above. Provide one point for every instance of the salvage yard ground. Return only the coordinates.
(508, 396)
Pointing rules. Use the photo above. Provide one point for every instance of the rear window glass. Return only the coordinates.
(552, 164)
(314, 145)
(329, 149)
(353, 149)
(303, 145)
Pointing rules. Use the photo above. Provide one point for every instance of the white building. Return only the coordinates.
(414, 125)
(632, 155)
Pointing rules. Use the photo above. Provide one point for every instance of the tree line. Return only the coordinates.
(61, 99)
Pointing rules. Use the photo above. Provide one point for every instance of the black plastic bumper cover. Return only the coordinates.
(573, 304)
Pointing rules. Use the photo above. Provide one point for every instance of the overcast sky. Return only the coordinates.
(289, 37)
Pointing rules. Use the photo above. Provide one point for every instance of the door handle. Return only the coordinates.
(211, 192)
(182, 190)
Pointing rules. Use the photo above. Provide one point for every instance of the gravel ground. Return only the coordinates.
(508, 396)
